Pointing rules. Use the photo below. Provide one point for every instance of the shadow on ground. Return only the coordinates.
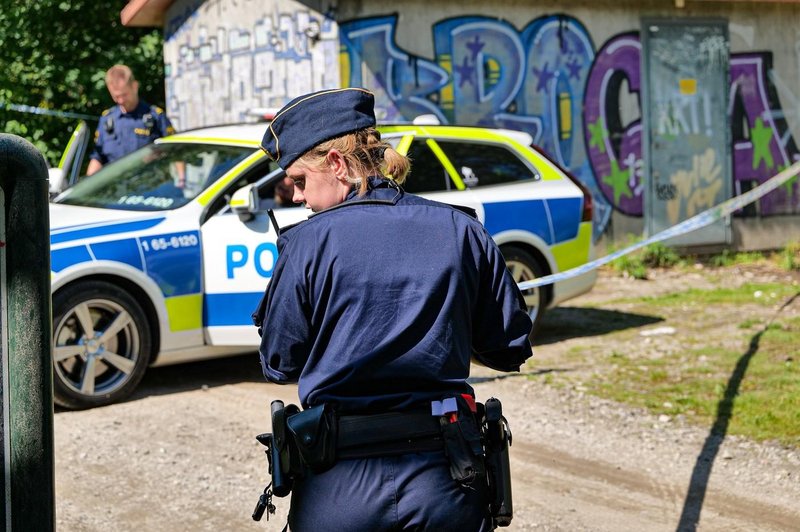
(563, 323)
(698, 484)
(194, 375)
(558, 324)
(500, 376)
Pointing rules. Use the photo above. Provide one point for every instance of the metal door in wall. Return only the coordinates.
(687, 146)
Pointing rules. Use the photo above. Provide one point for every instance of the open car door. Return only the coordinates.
(69, 167)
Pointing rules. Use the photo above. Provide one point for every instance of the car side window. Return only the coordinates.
(220, 203)
(277, 194)
(481, 164)
(427, 173)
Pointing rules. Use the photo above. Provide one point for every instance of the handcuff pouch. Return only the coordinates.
(314, 432)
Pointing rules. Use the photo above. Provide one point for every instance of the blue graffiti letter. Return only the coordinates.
(486, 60)
(401, 82)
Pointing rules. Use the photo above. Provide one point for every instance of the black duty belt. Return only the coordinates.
(387, 434)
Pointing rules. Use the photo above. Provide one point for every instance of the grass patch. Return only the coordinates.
(789, 257)
(732, 258)
(743, 380)
(749, 323)
(753, 392)
(757, 293)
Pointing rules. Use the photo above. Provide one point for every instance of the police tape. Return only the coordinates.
(43, 111)
(687, 226)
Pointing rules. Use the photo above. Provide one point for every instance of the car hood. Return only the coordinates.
(70, 222)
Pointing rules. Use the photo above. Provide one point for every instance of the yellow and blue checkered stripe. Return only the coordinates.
(174, 267)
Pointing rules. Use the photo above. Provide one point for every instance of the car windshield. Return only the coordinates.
(156, 177)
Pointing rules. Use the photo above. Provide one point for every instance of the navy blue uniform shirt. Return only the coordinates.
(120, 132)
(380, 302)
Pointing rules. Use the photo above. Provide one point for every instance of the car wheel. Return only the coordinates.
(524, 267)
(101, 344)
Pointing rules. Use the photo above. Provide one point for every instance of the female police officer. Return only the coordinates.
(377, 304)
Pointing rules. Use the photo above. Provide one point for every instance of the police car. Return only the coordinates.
(162, 256)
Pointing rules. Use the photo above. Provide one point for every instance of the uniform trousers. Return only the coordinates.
(406, 492)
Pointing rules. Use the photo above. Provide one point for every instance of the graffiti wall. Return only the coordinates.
(225, 59)
(550, 80)
(578, 97)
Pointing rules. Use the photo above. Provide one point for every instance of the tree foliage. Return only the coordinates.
(54, 54)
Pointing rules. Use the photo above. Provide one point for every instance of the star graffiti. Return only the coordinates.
(466, 72)
(475, 46)
(618, 181)
(574, 67)
(544, 76)
(761, 136)
(597, 134)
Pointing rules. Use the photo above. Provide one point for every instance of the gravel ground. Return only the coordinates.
(181, 454)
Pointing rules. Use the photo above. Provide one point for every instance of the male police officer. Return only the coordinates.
(127, 126)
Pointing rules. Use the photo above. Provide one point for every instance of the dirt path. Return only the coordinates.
(181, 454)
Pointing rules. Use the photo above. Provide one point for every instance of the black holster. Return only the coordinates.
(283, 457)
(497, 439)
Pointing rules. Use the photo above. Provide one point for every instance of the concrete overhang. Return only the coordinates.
(145, 13)
(150, 13)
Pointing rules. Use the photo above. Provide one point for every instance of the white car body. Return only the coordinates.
(199, 270)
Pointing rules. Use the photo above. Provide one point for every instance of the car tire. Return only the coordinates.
(105, 364)
(524, 267)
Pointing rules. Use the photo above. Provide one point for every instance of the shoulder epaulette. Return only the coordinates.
(104, 113)
(157, 110)
(467, 210)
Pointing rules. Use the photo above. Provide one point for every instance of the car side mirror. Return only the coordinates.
(244, 202)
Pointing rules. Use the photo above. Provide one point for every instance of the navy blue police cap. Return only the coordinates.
(314, 118)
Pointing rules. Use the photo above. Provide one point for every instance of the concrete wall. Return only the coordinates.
(224, 57)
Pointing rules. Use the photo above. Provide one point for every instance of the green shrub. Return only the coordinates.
(54, 56)
(655, 255)
(631, 265)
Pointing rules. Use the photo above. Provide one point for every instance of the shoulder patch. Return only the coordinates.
(104, 113)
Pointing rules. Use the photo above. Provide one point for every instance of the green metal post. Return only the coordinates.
(28, 481)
